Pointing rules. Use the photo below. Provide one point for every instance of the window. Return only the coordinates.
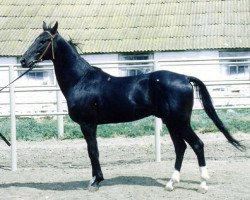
(236, 68)
(37, 76)
(137, 68)
(40, 77)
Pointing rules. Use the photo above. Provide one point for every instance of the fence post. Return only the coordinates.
(12, 120)
(60, 127)
(158, 129)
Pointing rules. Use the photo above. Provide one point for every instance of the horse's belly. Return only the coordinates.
(124, 115)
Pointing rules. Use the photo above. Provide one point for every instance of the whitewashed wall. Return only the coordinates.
(4, 76)
(204, 72)
(4, 80)
(103, 58)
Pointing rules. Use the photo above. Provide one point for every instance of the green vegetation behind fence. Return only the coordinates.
(237, 120)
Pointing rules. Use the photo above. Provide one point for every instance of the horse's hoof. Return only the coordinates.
(93, 188)
(93, 185)
(203, 188)
(169, 187)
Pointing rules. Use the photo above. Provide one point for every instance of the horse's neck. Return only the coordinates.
(69, 66)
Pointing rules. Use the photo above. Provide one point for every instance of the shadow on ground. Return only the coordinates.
(79, 185)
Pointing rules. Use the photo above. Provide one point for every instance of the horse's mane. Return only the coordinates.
(73, 44)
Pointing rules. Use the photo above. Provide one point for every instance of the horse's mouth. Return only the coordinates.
(26, 64)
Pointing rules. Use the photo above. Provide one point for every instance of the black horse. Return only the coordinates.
(95, 97)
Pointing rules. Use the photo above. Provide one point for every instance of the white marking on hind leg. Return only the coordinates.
(204, 173)
(204, 177)
(175, 178)
(203, 187)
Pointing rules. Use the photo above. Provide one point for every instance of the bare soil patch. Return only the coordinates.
(56, 169)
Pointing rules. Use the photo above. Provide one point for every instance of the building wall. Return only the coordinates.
(96, 59)
(213, 71)
(4, 76)
(204, 72)
(4, 80)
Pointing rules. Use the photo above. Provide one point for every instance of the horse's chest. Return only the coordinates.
(84, 109)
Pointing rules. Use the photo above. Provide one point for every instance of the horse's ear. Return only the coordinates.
(45, 26)
(54, 29)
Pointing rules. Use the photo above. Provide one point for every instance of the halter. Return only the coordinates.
(46, 49)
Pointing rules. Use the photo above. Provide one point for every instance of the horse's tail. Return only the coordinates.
(210, 110)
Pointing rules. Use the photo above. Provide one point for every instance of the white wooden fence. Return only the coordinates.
(60, 101)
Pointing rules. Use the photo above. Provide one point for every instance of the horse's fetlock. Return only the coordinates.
(204, 173)
(176, 177)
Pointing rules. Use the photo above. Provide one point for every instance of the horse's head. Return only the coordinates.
(42, 48)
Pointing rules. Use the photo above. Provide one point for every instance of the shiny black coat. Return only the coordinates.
(101, 98)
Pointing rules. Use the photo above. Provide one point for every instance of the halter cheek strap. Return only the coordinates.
(52, 47)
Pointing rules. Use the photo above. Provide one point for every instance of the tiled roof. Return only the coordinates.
(128, 25)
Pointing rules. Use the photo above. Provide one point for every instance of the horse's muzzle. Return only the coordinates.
(23, 62)
(27, 64)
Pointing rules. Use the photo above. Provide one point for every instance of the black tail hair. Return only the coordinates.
(210, 110)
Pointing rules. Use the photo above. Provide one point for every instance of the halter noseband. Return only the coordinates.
(52, 46)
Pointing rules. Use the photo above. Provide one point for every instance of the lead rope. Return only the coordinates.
(40, 59)
(16, 78)
(1, 135)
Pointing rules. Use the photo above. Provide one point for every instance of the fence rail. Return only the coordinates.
(151, 64)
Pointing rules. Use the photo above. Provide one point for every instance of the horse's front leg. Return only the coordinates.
(89, 132)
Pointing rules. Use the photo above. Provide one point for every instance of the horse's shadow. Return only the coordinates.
(79, 185)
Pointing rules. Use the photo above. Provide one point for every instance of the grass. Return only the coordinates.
(237, 120)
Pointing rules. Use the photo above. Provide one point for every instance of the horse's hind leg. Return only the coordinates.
(180, 131)
(180, 147)
(197, 145)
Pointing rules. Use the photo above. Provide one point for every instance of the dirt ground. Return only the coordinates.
(61, 170)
